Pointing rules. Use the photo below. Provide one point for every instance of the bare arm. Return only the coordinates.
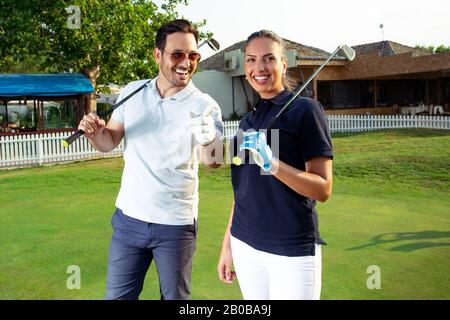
(102, 137)
(224, 267)
(315, 183)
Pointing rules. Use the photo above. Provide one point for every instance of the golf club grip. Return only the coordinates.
(67, 142)
(239, 158)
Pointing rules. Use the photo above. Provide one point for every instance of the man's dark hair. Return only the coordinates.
(173, 26)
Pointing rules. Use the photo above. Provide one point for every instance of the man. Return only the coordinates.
(164, 125)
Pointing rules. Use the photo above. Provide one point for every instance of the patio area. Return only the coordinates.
(42, 102)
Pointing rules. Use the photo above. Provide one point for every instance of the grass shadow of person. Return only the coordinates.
(396, 237)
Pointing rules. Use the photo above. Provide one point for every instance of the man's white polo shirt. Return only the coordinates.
(160, 176)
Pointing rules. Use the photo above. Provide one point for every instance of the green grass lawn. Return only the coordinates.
(390, 208)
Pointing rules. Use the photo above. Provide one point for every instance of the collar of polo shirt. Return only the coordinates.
(282, 97)
(179, 96)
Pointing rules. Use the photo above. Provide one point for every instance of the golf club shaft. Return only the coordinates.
(297, 93)
(240, 157)
(68, 141)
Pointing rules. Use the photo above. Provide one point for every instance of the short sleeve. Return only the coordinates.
(216, 114)
(117, 114)
(314, 133)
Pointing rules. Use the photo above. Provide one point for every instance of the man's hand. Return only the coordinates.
(91, 124)
(256, 143)
(202, 126)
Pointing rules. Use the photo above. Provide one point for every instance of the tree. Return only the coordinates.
(433, 49)
(108, 41)
(442, 49)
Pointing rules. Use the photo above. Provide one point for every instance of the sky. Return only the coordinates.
(324, 24)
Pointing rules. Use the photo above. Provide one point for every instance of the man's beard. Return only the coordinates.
(173, 76)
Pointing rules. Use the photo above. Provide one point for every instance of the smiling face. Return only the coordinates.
(174, 74)
(265, 66)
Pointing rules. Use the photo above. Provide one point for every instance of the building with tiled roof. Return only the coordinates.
(387, 48)
(222, 75)
(217, 61)
(383, 77)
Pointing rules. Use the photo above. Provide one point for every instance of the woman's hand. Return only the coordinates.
(224, 267)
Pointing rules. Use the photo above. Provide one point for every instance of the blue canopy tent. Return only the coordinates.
(67, 89)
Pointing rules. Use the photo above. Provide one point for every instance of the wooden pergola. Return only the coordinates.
(41, 88)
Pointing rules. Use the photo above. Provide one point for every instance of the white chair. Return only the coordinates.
(438, 110)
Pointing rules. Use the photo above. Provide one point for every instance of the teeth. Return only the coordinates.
(261, 78)
(184, 72)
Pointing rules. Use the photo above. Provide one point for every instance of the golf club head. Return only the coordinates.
(212, 43)
(348, 52)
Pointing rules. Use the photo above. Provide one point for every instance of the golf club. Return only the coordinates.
(212, 43)
(68, 141)
(349, 54)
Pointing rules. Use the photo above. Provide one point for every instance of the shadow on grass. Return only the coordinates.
(408, 236)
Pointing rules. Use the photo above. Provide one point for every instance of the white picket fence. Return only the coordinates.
(229, 129)
(358, 123)
(38, 149)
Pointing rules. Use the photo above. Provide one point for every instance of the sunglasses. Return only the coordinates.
(179, 56)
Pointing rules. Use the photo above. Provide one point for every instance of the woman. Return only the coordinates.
(272, 237)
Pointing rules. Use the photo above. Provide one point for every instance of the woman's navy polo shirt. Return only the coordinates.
(268, 215)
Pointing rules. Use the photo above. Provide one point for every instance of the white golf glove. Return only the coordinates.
(202, 126)
(256, 143)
